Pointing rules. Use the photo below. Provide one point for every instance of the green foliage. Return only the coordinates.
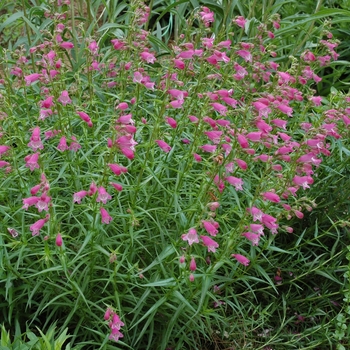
(30, 340)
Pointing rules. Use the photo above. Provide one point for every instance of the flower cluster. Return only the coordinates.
(114, 324)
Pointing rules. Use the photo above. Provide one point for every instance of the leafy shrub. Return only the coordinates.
(148, 186)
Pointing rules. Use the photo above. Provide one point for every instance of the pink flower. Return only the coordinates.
(276, 25)
(176, 103)
(208, 42)
(254, 136)
(28, 202)
(191, 237)
(85, 118)
(197, 157)
(263, 126)
(242, 164)
(32, 161)
(137, 77)
(47, 103)
(242, 141)
(114, 324)
(122, 106)
(253, 237)
(303, 181)
(316, 100)
(285, 109)
(117, 169)
(240, 72)
(103, 195)
(62, 145)
(208, 148)
(117, 44)
(219, 183)
(67, 45)
(92, 189)
(264, 158)
(171, 122)
(118, 187)
(3, 163)
(128, 153)
(210, 227)
(74, 146)
(31, 78)
(240, 21)
(257, 213)
(262, 108)
(93, 47)
(35, 141)
(125, 119)
(193, 265)
(43, 203)
(210, 243)
(235, 181)
(59, 240)
(298, 214)
(219, 108)
(188, 54)
(207, 16)
(126, 141)
(147, 57)
(280, 123)
(4, 149)
(64, 98)
(241, 259)
(78, 196)
(44, 113)
(210, 121)
(270, 222)
(38, 225)
(191, 277)
(180, 64)
(177, 94)
(257, 228)
(230, 101)
(13, 232)
(105, 217)
(246, 55)
(34, 190)
(213, 206)
(214, 135)
(270, 196)
(163, 145)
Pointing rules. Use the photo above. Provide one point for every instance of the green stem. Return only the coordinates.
(74, 33)
(28, 34)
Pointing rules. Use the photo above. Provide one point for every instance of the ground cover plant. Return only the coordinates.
(187, 195)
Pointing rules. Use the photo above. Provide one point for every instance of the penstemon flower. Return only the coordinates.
(105, 217)
(241, 259)
(163, 145)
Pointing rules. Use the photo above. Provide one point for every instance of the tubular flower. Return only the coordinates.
(163, 145)
(38, 225)
(103, 195)
(191, 237)
(117, 169)
(105, 217)
(210, 227)
(32, 161)
(59, 240)
(210, 243)
(241, 259)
